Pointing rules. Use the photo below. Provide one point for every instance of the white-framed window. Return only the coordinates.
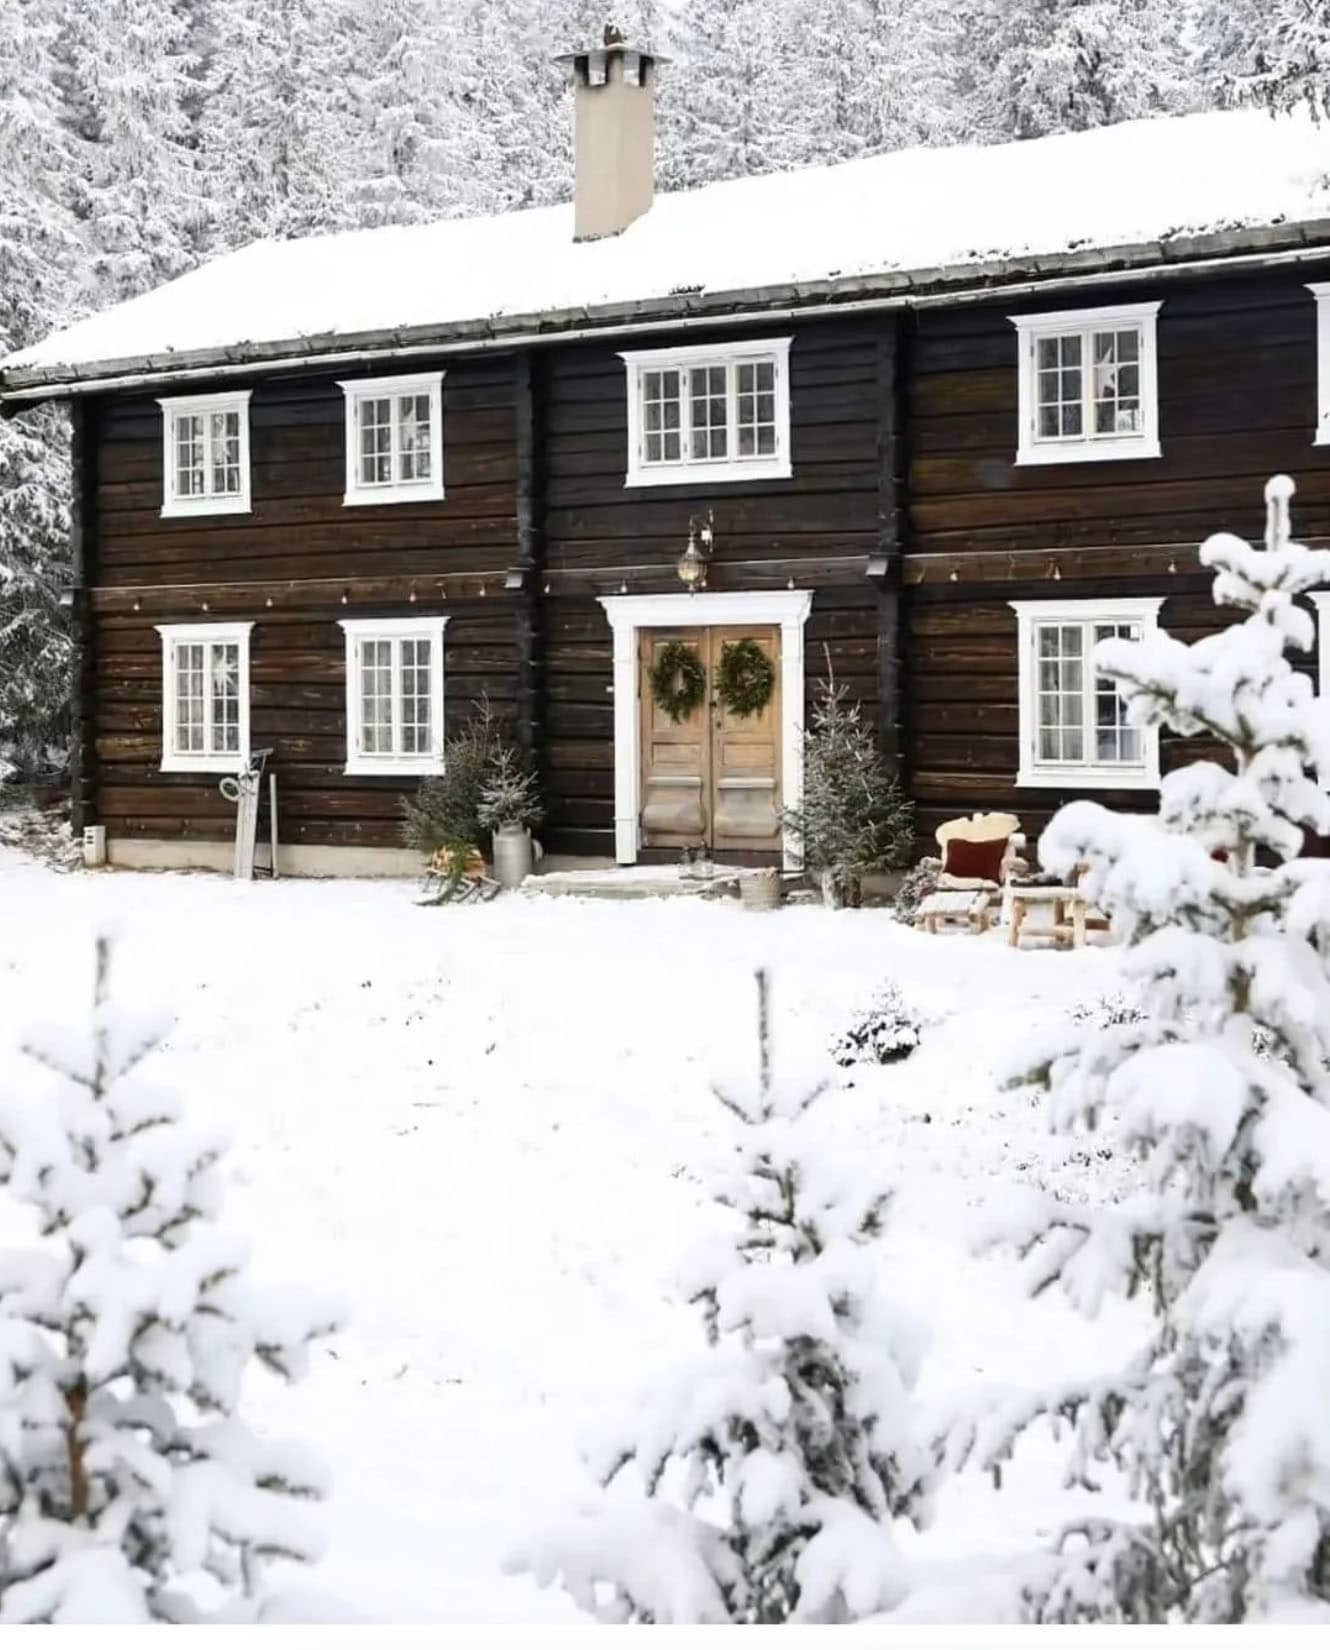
(205, 454)
(712, 412)
(1088, 385)
(394, 439)
(1320, 290)
(1074, 731)
(394, 695)
(205, 697)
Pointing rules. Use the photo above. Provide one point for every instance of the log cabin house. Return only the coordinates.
(943, 419)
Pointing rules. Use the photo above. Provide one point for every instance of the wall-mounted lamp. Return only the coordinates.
(692, 565)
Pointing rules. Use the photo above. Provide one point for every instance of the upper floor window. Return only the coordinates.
(1088, 386)
(1320, 290)
(1074, 731)
(205, 454)
(205, 697)
(394, 695)
(716, 412)
(394, 439)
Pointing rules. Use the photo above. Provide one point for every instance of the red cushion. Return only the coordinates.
(975, 859)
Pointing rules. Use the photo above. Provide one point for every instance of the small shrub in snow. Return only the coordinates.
(1114, 1008)
(1215, 1427)
(131, 1489)
(888, 1031)
(915, 886)
(761, 1479)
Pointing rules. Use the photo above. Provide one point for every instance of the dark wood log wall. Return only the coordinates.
(296, 565)
(817, 530)
(1237, 384)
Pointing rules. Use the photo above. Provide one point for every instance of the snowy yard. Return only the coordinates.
(483, 1126)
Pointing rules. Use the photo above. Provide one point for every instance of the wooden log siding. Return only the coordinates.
(1237, 379)
(299, 563)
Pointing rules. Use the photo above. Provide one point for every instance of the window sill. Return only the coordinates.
(1322, 437)
(232, 764)
(207, 507)
(1087, 452)
(400, 767)
(396, 495)
(1087, 779)
(707, 475)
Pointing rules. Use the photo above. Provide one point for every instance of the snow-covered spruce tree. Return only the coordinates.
(1218, 1424)
(130, 1488)
(760, 1480)
(853, 818)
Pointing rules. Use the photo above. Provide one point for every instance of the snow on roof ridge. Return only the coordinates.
(1135, 184)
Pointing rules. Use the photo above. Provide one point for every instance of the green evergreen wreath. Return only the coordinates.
(745, 678)
(678, 680)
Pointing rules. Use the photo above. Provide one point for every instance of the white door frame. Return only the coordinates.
(630, 614)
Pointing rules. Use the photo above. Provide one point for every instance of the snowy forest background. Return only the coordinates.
(140, 137)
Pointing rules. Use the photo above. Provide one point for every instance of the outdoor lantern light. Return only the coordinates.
(692, 565)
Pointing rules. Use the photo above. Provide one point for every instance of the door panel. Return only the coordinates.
(676, 773)
(746, 756)
(713, 779)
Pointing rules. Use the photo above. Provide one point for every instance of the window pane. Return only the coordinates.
(1058, 387)
(189, 697)
(374, 414)
(415, 696)
(224, 453)
(1116, 384)
(376, 695)
(1059, 653)
(755, 408)
(1115, 740)
(190, 472)
(661, 417)
(224, 692)
(709, 411)
(413, 414)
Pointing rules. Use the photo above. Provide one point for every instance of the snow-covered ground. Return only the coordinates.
(483, 1125)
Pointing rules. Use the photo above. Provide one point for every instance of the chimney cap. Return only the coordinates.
(614, 45)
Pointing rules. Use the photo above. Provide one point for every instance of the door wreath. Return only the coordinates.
(745, 678)
(678, 680)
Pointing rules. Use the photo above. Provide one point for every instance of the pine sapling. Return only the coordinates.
(853, 819)
(131, 1489)
(1217, 1425)
(761, 1480)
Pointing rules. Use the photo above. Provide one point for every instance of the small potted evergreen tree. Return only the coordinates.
(509, 807)
(853, 819)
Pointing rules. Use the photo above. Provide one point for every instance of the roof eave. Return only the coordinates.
(893, 289)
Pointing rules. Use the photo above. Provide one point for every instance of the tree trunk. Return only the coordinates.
(76, 1399)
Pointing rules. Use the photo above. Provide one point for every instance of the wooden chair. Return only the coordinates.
(950, 904)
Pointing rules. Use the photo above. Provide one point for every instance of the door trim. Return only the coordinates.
(630, 614)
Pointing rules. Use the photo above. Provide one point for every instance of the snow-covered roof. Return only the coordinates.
(921, 219)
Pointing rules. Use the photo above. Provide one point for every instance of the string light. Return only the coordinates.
(954, 576)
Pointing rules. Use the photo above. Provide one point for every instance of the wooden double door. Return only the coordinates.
(712, 778)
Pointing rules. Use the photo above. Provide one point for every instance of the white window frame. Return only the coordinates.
(202, 406)
(1087, 448)
(174, 761)
(428, 628)
(687, 471)
(393, 492)
(1088, 775)
(1320, 290)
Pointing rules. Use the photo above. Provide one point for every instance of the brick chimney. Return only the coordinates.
(614, 135)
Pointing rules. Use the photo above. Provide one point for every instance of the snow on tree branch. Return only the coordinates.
(130, 1488)
(760, 1480)
(1216, 1427)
